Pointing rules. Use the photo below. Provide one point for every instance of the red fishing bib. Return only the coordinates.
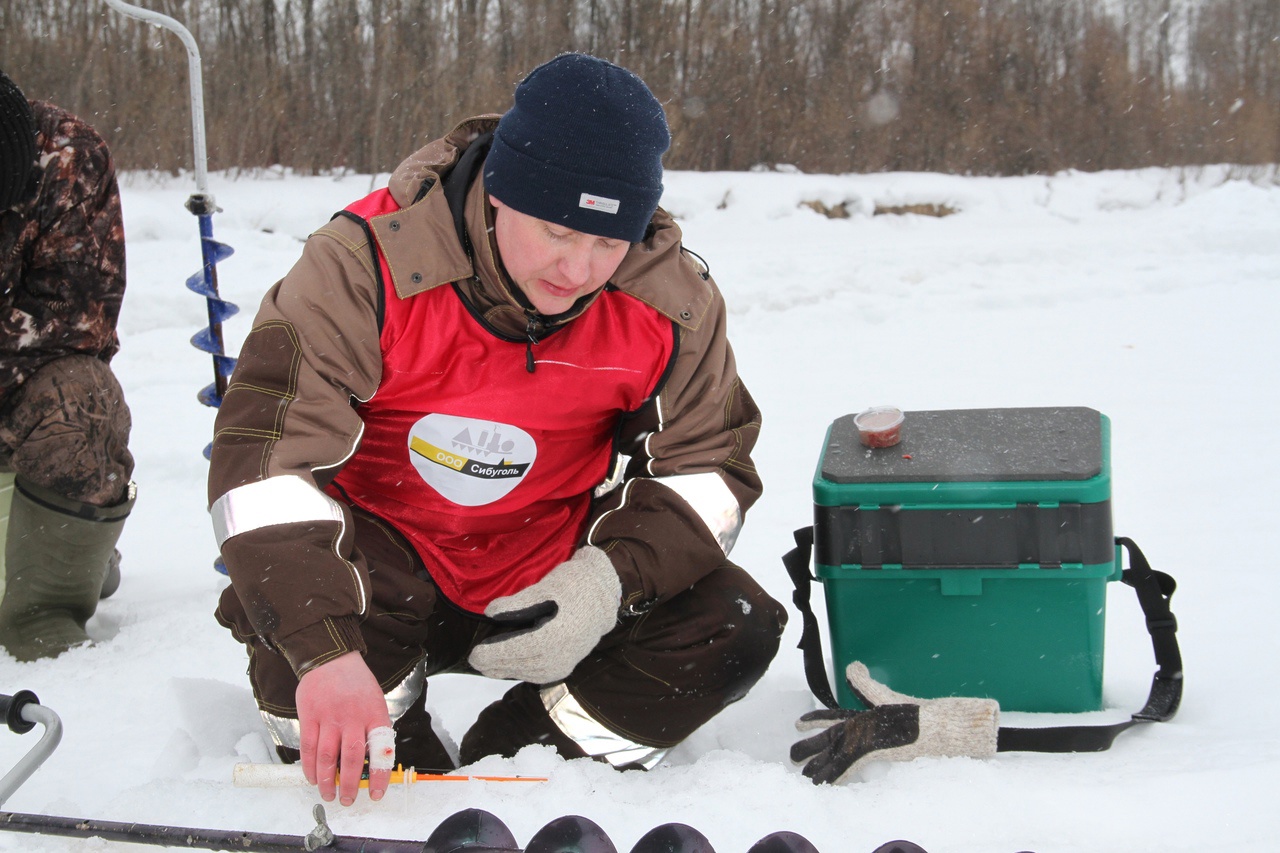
(485, 467)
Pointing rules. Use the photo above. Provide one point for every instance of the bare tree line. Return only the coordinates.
(967, 86)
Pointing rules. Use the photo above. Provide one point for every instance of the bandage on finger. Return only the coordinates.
(382, 748)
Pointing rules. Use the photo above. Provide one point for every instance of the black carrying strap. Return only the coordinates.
(815, 667)
(1154, 590)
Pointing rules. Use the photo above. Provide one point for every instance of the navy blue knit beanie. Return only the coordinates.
(17, 143)
(582, 147)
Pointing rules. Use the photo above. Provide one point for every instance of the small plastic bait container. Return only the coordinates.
(879, 426)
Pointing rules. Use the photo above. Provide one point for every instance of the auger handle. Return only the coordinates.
(21, 712)
(196, 81)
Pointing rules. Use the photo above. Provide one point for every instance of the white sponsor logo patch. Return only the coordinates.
(600, 203)
(470, 462)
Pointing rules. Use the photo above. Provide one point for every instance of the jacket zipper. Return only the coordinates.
(531, 331)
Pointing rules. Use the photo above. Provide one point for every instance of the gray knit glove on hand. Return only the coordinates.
(571, 609)
(894, 728)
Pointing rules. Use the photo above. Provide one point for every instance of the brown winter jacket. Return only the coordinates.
(61, 253)
(290, 416)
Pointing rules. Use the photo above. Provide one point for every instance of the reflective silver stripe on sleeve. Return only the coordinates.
(276, 500)
(626, 493)
(711, 499)
(596, 740)
(615, 477)
(706, 493)
(286, 732)
(662, 423)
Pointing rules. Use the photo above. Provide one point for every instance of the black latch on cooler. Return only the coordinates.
(954, 538)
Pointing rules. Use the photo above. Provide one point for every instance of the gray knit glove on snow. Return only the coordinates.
(894, 728)
(571, 609)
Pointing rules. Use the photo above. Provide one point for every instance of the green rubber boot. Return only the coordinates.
(57, 555)
(6, 499)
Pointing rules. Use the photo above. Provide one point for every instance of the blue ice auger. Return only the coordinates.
(205, 282)
(201, 203)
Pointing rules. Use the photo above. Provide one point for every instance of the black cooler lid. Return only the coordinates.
(974, 445)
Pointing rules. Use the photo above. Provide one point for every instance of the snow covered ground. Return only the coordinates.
(1150, 295)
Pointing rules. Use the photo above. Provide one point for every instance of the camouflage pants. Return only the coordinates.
(67, 429)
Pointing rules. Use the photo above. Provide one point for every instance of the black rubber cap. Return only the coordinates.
(11, 707)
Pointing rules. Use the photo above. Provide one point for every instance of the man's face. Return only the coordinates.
(552, 265)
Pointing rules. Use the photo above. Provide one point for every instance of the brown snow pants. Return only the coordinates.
(653, 680)
(66, 428)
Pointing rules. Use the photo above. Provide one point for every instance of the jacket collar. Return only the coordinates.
(651, 269)
(491, 292)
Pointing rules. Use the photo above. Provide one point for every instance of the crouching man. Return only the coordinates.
(491, 423)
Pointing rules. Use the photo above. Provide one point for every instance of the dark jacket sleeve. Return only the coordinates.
(690, 478)
(286, 425)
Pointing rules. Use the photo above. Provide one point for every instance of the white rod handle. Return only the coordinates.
(268, 776)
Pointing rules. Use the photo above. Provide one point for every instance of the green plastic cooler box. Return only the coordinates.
(971, 558)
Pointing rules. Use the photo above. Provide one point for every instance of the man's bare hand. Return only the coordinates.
(339, 703)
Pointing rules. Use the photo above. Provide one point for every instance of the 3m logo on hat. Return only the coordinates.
(600, 203)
